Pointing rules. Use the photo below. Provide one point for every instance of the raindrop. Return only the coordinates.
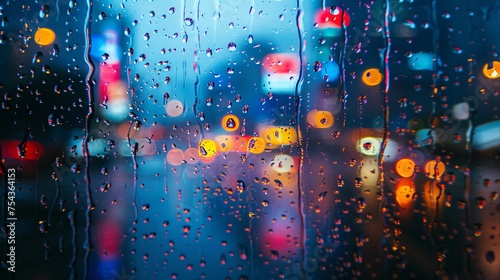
(230, 123)
(240, 186)
(317, 66)
(321, 196)
(188, 21)
(105, 187)
(44, 11)
(243, 251)
(231, 46)
(490, 256)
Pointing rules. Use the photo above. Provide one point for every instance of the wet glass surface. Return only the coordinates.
(250, 139)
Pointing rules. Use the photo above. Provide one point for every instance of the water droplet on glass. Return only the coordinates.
(188, 21)
(321, 196)
(490, 256)
(275, 255)
(44, 11)
(231, 46)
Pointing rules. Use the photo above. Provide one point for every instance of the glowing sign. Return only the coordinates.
(280, 72)
(332, 18)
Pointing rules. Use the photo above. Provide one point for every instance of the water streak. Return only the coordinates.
(54, 202)
(298, 99)
(345, 95)
(71, 217)
(385, 95)
(196, 65)
(85, 141)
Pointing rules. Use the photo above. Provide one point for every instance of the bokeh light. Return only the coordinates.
(44, 36)
(371, 77)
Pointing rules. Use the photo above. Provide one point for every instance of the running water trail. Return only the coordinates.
(71, 218)
(383, 145)
(215, 19)
(196, 65)
(85, 141)
(298, 99)
(345, 95)
(134, 147)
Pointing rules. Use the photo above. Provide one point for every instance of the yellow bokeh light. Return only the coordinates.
(279, 135)
(371, 77)
(404, 192)
(230, 123)
(256, 145)
(492, 72)
(44, 36)
(207, 148)
(320, 119)
(434, 169)
(282, 163)
(405, 167)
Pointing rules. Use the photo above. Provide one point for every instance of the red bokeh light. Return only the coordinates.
(332, 18)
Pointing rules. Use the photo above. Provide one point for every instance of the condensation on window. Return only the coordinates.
(250, 139)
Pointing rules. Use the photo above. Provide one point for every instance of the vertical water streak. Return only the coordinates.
(57, 10)
(435, 76)
(385, 95)
(298, 100)
(54, 202)
(215, 18)
(184, 73)
(196, 66)
(345, 95)
(133, 150)
(85, 141)
(71, 217)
